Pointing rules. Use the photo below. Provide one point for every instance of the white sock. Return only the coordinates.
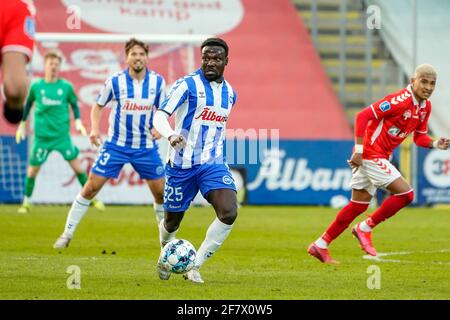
(215, 236)
(322, 244)
(76, 213)
(26, 200)
(164, 235)
(364, 227)
(159, 211)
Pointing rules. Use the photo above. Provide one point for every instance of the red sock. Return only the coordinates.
(343, 219)
(389, 207)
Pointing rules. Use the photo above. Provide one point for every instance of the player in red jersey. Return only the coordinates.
(379, 129)
(17, 28)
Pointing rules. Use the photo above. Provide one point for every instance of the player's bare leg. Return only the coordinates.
(79, 208)
(225, 204)
(402, 195)
(32, 172)
(15, 85)
(168, 228)
(358, 204)
(82, 177)
(157, 189)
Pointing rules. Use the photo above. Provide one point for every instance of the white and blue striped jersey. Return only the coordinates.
(201, 112)
(132, 104)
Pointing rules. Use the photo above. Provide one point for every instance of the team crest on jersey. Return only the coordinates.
(159, 170)
(29, 27)
(422, 116)
(407, 114)
(59, 92)
(394, 131)
(385, 106)
(227, 180)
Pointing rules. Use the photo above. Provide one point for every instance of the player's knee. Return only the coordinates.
(159, 196)
(90, 190)
(228, 214)
(171, 223)
(32, 172)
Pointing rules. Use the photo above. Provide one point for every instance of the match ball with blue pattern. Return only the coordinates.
(178, 256)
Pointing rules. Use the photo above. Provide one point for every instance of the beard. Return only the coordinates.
(213, 76)
(138, 69)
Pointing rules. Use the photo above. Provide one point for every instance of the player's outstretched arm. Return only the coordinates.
(425, 141)
(441, 143)
(73, 101)
(94, 137)
(162, 125)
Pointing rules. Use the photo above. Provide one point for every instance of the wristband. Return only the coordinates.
(435, 144)
(359, 148)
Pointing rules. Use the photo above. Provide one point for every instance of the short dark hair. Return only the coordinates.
(133, 42)
(215, 42)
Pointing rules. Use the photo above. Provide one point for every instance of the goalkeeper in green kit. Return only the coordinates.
(51, 97)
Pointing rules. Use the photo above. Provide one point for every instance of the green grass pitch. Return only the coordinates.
(264, 257)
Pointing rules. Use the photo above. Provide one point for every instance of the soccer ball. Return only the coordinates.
(178, 256)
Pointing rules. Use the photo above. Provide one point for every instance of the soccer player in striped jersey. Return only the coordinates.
(132, 94)
(201, 102)
(379, 129)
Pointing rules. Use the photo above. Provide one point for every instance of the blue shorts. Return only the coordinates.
(182, 185)
(111, 159)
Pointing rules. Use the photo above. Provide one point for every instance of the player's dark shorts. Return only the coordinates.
(182, 185)
(146, 161)
(42, 147)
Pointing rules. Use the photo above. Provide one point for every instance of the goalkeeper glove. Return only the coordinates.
(79, 126)
(20, 133)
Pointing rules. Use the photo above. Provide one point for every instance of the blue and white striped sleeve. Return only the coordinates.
(234, 97)
(162, 93)
(176, 97)
(106, 94)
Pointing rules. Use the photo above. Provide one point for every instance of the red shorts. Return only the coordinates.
(17, 27)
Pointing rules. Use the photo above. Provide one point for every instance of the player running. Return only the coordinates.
(17, 27)
(379, 129)
(51, 97)
(202, 102)
(132, 93)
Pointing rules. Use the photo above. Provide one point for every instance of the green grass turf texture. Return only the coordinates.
(264, 257)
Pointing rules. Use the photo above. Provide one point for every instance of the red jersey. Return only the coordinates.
(17, 27)
(396, 116)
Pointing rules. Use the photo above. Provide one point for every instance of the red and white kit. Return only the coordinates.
(388, 122)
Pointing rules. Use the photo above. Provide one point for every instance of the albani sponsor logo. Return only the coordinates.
(135, 107)
(209, 115)
(279, 173)
(51, 102)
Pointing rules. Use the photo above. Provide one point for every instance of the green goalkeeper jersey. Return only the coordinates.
(51, 102)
